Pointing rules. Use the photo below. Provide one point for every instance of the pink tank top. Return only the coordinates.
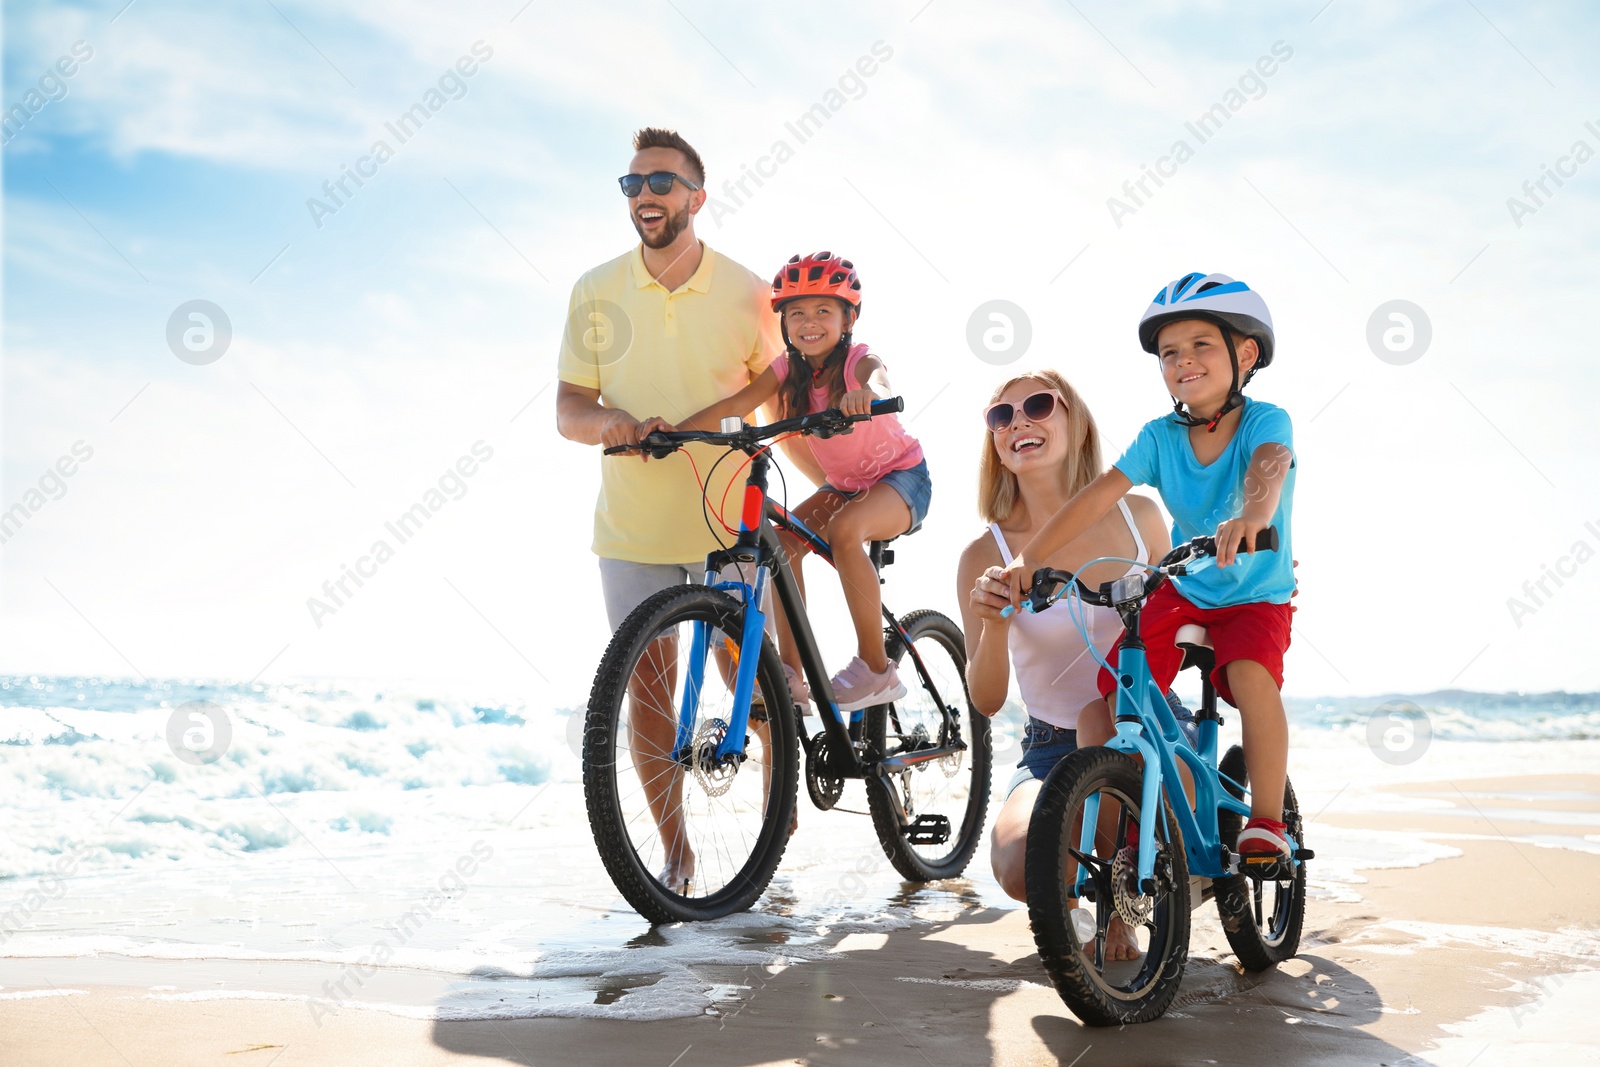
(859, 459)
(1056, 674)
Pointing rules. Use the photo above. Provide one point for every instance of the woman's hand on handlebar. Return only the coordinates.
(1017, 576)
(989, 596)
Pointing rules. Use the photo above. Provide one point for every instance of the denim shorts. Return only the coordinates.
(914, 486)
(1044, 745)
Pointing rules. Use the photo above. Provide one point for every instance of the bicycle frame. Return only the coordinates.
(1146, 727)
(757, 544)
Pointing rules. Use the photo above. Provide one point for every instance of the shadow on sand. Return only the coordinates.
(922, 995)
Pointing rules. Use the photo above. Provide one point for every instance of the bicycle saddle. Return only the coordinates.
(1196, 645)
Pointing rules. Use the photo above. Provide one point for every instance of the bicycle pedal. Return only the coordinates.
(1267, 868)
(929, 830)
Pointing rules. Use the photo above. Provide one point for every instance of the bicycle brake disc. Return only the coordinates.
(1133, 907)
(951, 764)
(715, 776)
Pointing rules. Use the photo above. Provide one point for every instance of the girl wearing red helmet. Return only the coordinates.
(877, 485)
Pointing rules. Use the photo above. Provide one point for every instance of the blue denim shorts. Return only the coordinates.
(914, 486)
(1044, 745)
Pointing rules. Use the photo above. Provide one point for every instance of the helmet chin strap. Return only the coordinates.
(1235, 396)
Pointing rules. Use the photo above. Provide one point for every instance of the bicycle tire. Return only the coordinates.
(1261, 938)
(625, 831)
(955, 787)
(1098, 992)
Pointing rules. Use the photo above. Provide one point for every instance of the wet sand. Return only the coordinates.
(1486, 957)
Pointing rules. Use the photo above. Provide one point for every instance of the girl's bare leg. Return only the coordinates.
(877, 515)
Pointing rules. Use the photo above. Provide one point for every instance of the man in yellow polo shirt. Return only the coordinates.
(652, 337)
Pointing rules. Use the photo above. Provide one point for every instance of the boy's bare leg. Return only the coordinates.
(1266, 736)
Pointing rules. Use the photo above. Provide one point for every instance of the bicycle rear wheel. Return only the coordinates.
(656, 818)
(1262, 917)
(944, 799)
(1104, 787)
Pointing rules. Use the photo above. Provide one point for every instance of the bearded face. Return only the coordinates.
(657, 223)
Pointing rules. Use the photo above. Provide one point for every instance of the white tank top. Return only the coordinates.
(1056, 673)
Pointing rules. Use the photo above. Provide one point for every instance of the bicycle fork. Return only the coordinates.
(748, 657)
(1130, 739)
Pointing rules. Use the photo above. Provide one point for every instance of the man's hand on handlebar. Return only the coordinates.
(625, 431)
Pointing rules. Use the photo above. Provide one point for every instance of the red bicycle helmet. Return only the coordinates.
(819, 274)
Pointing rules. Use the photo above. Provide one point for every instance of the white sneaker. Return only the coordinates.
(858, 686)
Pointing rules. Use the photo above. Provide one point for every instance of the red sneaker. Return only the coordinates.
(1264, 837)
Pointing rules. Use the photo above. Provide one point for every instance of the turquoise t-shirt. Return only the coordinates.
(1201, 498)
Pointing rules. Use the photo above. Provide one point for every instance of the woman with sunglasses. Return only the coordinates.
(1041, 446)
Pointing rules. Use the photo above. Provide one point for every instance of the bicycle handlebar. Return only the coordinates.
(819, 423)
(1048, 583)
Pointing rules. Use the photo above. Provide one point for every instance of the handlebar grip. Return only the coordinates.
(1266, 541)
(890, 406)
(656, 443)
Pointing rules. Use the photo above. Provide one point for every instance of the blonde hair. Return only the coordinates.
(997, 486)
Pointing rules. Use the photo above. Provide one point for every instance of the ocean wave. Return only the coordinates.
(115, 772)
(1462, 715)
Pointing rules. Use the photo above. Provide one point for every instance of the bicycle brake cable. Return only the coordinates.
(1076, 608)
(705, 514)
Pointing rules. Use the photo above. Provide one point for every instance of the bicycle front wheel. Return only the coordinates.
(1102, 789)
(684, 834)
(943, 800)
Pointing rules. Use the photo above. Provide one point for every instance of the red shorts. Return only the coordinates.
(1258, 632)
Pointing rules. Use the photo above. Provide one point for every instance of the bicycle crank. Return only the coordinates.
(823, 781)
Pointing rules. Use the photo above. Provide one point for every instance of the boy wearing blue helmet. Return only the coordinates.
(1222, 464)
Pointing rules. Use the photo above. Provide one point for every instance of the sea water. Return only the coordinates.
(427, 852)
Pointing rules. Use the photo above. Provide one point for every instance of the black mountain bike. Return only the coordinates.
(692, 739)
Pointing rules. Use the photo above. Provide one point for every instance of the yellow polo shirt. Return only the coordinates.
(655, 353)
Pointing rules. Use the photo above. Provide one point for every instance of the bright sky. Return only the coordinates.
(207, 502)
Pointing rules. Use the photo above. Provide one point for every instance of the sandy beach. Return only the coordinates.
(1487, 955)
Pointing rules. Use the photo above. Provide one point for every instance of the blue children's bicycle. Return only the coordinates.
(1098, 852)
(690, 754)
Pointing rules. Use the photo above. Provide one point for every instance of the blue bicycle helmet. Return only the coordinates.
(1232, 305)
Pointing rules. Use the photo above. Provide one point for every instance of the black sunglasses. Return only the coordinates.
(660, 183)
(1035, 408)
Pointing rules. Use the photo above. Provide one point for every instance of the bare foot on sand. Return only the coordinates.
(678, 874)
(1120, 942)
